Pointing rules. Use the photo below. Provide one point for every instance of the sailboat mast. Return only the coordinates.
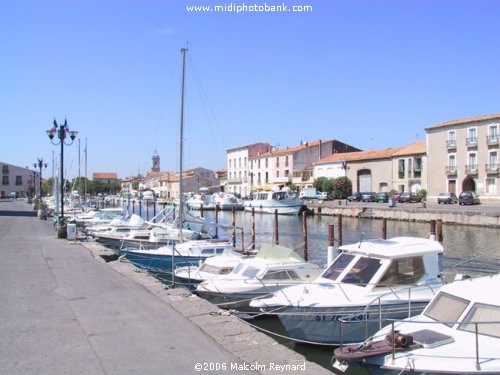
(85, 186)
(79, 175)
(181, 139)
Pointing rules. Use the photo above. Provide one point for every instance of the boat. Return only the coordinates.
(458, 333)
(227, 201)
(273, 268)
(283, 201)
(393, 278)
(120, 224)
(203, 198)
(96, 217)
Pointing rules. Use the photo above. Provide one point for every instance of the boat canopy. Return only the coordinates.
(279, 254)
(394, 247)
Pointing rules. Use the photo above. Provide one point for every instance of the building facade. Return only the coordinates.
(463, 155)
(192, 181)
(105, 177)
(409, 168)
(22, 182)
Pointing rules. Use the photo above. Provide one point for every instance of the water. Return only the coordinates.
(471, 250)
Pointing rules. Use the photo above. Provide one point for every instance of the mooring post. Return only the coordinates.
(243, 241)
(339, 229)
(140, 208)
(154, 210)
(304, 229)
(433, 230)
(133, 206)
(147, 210)
(173, 212)
(253, 228)
(217, 220)
(331, 248)
(276, 232)
(201, 210)
(384, 228)
(439, 232)
(234, 226)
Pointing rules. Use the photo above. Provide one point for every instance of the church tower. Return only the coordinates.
(156, 162)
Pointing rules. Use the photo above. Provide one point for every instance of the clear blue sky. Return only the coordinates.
(370, 73)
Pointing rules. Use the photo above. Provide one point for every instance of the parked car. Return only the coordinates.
(381, 197)
(468, 197)
(397, 196)
(367, 197)
(409, 198)
(447, 198)
(324, 196)
(355, 197)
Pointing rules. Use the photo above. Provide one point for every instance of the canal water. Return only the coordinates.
(471, 250)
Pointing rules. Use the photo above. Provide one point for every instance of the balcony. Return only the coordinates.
(471, 141)
(451, 170)
(417, 172)
(492, 168)
(492, 140)
(471, 169)
(451, 144)
(280, 180)
(233, 180)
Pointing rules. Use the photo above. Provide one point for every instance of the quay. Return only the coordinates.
(65, 311)
(478, 215)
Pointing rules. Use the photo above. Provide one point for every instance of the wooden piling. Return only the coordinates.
(253, 228)
(304, 229)
(147, 210)
(243, 241)
(201, 210)
(217, 220)
(154, 210)
(140, 208)
(234, 226)
(331, 248)
(331, 235)
(133, 207)
(384, 228)
(433, 229)
(439, 232)
(339, 229)
(276, 232)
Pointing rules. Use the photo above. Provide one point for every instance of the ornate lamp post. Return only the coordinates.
(40, 164)
(61, 131)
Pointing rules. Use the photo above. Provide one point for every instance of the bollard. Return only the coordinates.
(339, 229)
(234, 226)
(253, 228)
(133, 207)
(384, 228)
(140, 208)
(304, 230)
(147, 210)
(433, 230)
(331, 248)
(276, 234)
(439, 231)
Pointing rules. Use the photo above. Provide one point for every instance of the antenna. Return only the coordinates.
(361, 240)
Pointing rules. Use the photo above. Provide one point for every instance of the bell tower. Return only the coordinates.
(155, 167)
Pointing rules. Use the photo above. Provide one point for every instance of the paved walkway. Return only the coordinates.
(62, 312)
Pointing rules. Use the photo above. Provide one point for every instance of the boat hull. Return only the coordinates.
(270, 209)
(238, 301)
(161, 263)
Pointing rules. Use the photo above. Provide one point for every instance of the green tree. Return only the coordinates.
(135, 185)
(318, 183)
(327, 185)
(342, 188)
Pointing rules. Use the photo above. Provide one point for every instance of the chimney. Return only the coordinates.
(319, 150)
(301, 142)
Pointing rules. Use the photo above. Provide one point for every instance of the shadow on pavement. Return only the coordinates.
(18, 213)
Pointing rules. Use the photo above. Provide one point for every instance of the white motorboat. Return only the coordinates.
(227, 201)
(458, 333)
(284, 201)
(97, 217)
(199, 200)
(273, 268)
(393, 278)
(126, 222)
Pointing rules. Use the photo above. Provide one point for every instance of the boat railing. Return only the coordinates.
(393, 323)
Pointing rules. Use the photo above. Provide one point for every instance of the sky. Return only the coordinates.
(373, 74)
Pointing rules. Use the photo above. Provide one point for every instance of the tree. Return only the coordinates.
(342, 188)
(135, 185)
(327, 185)
(318, 183)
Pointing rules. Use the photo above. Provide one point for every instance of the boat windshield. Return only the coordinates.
(215, 269)
(338, 265)
(362, 271)
(483, 313)
(238, 268)
(446, 307)
(279, 196)
(250, 272)
(280, 275)
(404, 271)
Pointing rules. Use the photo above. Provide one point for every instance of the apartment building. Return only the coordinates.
(409, 168)
(18, 180)
(192, 181)
(292, 164)
(463, 155)
(238, 180)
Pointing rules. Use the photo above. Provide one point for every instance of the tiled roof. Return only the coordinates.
(245, 146)
(158, 174)
(132, 179)
(290, 150)
(359, 155)
(415, 148)
(107, 176)
(465, 121)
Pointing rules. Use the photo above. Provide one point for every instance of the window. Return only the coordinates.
(452, 140)
(287, 172)
(472, 161)
(229, 163)
(338, 265)
(276, 275)
(19, 180)
(401, 168)
(286, 161)
(405, 271)
(446, 307)
(410, 167)
(258, 163)
(452, 162)
(493, 160)
(238, 268)
(483, 313)
(277, 162)
(491, 187)
(362, 271)
(239, 162)
(250, 272)
(277, 174)
(5, 180)
(207, 251)
(267, 176)
(472, 138)
(493, 134)
(417, 169)
(245, 161)
(5, 169)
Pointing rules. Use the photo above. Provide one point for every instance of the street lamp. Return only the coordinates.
(61, 131)
(40, 164)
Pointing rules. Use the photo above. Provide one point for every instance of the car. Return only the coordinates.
(447, 198)
(324, 196)
(355, 197)
(367, 197)
(409, 198)
(381, 197)
(468, 197)
(397, 196)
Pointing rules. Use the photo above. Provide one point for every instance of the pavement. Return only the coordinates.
(64, 312)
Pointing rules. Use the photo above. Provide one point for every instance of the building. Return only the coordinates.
(105, 177)
(23, 182)
(192, 181)
(127, 184)
(409, 168)
(155, 166)
(238, 180)
(463, 156)
(221, 176)
(292, 165)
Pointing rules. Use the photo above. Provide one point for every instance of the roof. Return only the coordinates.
(476, 289)
(105, 176)
(359, 155)
(245, 146)
(290, 150)
(419, 147)
(465, 121)
(395, 247)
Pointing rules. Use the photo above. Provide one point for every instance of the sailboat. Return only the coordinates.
(183, 253)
